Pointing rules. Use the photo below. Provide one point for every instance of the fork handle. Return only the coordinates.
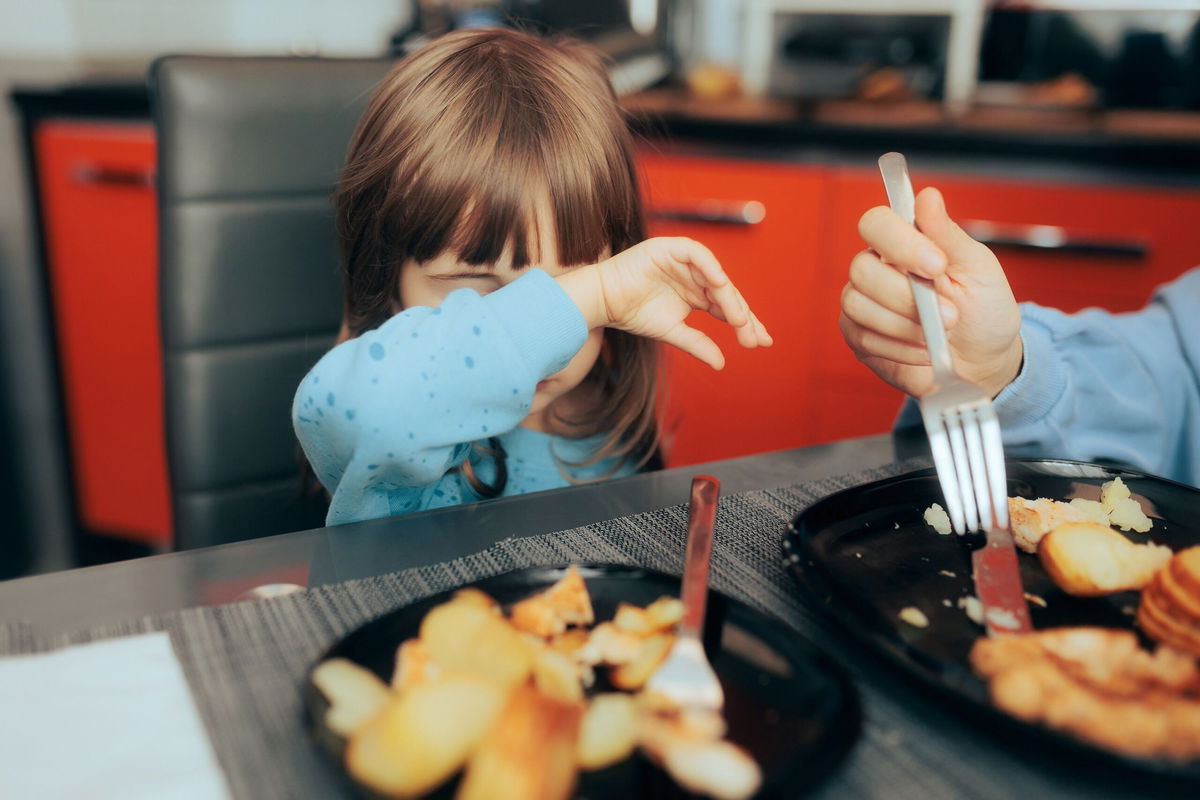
(702, 514)
(896, 181)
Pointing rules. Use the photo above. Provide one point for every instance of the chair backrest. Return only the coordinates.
(248, 154)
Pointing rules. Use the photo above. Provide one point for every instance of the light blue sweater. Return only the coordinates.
(1097, 386)
(386, 418)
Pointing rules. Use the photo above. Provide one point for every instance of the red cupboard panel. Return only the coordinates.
(758, 402)
(99, 216)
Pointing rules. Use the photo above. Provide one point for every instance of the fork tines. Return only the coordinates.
(969, 457)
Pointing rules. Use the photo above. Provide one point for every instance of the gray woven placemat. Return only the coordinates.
(245, 662)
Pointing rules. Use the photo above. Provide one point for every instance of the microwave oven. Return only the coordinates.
(817, 49)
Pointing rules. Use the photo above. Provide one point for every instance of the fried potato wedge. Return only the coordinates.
(1087, 559)
(529, 754)
(355, 694)
(663, 613)
(633, 675)
(422, 736)
(556, 675)
(466, 636)
(715, 767)
(414, 664)
(551, 612)
(608, 732)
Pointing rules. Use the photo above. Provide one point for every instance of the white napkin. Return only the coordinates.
(112, 719)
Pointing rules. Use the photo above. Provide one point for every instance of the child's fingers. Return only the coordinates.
(696, 343)
(764, 337)
(707, 273)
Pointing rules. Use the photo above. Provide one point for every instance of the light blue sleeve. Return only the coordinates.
(1098, 386)
(392, 410)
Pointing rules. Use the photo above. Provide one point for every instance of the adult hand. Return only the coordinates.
(879, 315)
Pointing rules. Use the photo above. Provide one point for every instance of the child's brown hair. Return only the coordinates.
(457, 149)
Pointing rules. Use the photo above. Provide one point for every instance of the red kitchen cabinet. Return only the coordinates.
(762, 220)
(98, 215)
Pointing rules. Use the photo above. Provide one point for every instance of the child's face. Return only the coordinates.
(428, 284)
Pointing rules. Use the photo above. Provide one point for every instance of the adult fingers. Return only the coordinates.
(867, 343)
(944, 232)
(901, 244)
(889, 288)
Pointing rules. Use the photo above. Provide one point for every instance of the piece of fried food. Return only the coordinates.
(414, 664)
(1099, 685)
(690, 748)
(1123, 511)
(1185, 569)
(1169, 611)
(1087, 559)
(663, 613)
(608, 732)
(355, 694)
(529, 754)
(551, 612)
(1032, 520)
(465, 635)
(633, 675)
(424, 734)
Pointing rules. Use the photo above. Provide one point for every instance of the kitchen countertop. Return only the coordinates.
(1158, 147)
(1161, 148)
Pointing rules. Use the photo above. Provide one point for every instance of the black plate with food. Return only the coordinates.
(867, 555)
(788, 705)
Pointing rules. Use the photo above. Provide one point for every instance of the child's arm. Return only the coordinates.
(395, 408)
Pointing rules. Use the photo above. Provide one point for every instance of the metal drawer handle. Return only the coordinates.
(99, 174)
(719, 212)
(1052, 238)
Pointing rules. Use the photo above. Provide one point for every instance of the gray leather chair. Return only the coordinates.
(248, 153)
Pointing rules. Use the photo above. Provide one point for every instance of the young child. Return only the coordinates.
(501, 308)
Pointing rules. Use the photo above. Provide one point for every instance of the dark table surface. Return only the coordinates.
(61, 602)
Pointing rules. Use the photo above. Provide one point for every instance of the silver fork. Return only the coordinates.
(685, 677)
(964, 437)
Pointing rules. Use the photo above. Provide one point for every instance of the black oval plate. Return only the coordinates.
(789, 705)
(866, 553)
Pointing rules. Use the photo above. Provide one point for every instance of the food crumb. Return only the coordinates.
(1036, 599)
(1128, 611)
(858, 555)
(946, 602)
(947, 573)
(913, 616)
(896, 526)
(936, 518)
(973, 607)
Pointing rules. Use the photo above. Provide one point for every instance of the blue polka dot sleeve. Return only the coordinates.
(390, 412)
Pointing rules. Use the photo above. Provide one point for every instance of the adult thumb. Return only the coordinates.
(935, 222)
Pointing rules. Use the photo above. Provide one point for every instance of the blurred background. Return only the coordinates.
(1068, 131)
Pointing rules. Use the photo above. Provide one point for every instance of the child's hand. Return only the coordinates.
(650, 289)
(879, 316)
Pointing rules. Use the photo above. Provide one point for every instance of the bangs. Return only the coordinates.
(472, 179)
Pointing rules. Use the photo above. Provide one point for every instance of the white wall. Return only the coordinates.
(128, 30)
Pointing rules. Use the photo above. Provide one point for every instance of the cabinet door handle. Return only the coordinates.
(100, 174)
(1052, 238)
(718, 212)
